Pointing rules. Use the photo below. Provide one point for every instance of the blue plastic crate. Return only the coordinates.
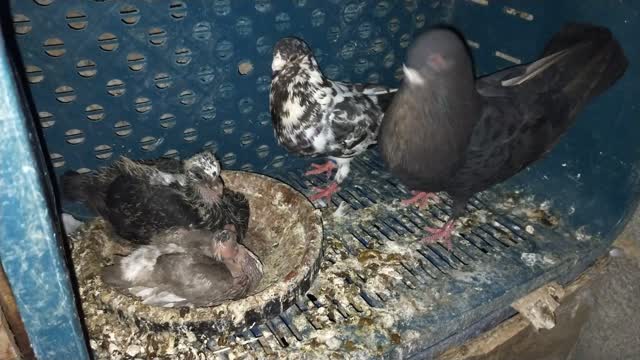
(169, 78)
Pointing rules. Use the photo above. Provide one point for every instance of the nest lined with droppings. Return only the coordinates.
(285, 232)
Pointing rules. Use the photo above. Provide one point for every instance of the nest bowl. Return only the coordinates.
(285, 232)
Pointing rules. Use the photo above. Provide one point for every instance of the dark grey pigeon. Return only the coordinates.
(446, 131)
(314, 116)
(145, 197)
(187, 268)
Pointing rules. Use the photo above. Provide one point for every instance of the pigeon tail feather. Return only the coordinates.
(596, 62)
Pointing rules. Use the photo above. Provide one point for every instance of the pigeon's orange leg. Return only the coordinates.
(420, 198)
(325, 193)
(441, 235)
(327, 167)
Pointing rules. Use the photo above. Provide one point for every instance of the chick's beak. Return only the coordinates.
(216, 186)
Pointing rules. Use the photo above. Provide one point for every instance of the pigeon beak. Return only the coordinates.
(277, 63)
(225, 250)
(412, 76)
(216, 186)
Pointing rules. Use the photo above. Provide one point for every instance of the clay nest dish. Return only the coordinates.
(285, 231)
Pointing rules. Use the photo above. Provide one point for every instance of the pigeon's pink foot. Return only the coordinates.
(325, 193)
(441, 235)
(420, 198)
(321, 168)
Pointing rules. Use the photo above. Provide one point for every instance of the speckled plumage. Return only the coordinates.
(183, 267)
(143, 198)
(314, 116)
(446, 131)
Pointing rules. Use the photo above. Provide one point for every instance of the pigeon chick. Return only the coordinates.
(143, 198)
(446, 131)
(184, 267)
(314, 116)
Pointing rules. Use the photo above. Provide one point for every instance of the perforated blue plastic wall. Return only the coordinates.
(153, 78)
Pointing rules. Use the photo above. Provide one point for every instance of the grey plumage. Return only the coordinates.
(315, 116)
(446, 131)
(184, 267)
(143, 198)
